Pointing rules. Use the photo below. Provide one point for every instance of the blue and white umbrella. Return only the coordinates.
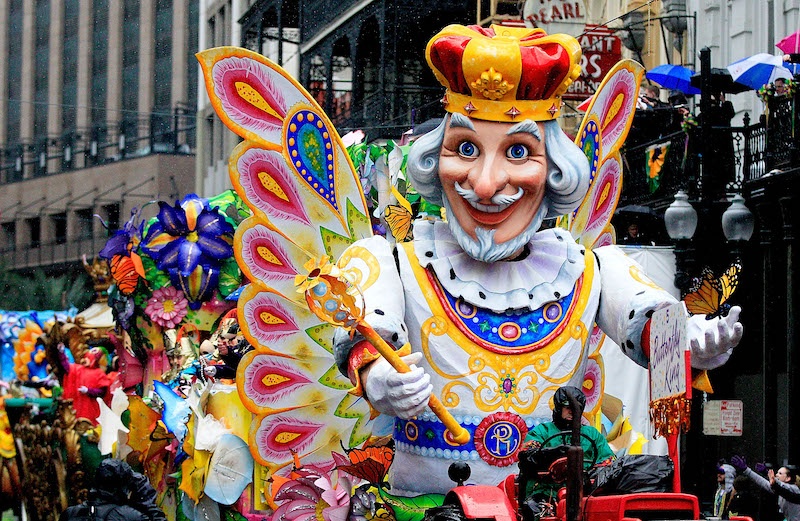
(676, 77)
(758, 70)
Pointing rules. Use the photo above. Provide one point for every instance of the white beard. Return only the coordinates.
(484, 248)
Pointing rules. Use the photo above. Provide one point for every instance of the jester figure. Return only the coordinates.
(492, 312)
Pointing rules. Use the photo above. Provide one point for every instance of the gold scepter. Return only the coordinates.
(332, 297)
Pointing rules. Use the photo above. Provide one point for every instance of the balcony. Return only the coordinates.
(84, 148)
(757, 149)
(52, 253)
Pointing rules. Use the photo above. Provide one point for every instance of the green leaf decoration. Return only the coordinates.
(322, 334)
(357, 153)
(411, 508)
(155, 277)
(333, 242)
(356, 221)
(230, 277)
(355, 407)
(335, 380)
(230, 514)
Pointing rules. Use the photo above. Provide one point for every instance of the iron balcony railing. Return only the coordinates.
(57, 252)
(84, 148)
(737, 155)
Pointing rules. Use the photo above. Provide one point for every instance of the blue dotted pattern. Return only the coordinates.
(310, 148)
(531, 326)
(424, 436)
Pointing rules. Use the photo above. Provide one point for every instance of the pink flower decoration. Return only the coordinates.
(167, 307)
(312, 492)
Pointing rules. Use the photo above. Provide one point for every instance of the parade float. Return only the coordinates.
(264, 336)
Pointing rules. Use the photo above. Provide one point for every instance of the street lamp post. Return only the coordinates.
(680, 219)
(737, 224)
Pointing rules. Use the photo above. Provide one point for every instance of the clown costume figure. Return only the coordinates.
(493, 314)
(85, 382)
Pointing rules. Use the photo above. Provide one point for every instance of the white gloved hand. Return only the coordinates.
(404, 395)
(83, 389)
(210, 370)
(712, 341)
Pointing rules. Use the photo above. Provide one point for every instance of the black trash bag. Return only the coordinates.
(634, 473)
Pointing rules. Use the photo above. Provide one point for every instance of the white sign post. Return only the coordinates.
(670, 402)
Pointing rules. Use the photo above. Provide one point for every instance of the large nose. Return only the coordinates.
(488, 175)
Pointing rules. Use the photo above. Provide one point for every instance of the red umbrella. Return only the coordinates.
(790, 44)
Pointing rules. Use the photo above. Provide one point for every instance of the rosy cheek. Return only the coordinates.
(452, 169)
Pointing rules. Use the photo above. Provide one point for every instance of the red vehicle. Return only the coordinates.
(506, 501)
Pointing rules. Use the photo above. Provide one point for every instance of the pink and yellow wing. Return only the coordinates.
(294, 173)
(292, 169)
(602, 133)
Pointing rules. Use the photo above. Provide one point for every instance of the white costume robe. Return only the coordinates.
(498, 339)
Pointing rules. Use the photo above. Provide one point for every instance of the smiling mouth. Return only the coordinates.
(490, 214)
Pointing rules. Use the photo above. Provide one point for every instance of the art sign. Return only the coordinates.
(670, 392)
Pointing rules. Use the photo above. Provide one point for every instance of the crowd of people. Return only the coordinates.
(739, 485)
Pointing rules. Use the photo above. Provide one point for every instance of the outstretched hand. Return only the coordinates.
(739, 463)
(712, 341)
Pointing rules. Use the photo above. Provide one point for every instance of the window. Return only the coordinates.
(130, 57)
(162, 77)
(14, 73)
(59, 221)
(111, 212)
(69, 57)
(99, 62)
(9, 231)
(42, 56)
(34, 226)
(85, 222)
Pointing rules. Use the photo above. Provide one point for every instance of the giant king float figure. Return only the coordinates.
(492, 313)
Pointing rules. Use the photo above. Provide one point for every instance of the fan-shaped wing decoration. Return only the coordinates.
(294, 173)
(603, 131)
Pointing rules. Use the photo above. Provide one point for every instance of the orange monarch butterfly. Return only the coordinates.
(370, 463)
(126, 271)
(399, 220)
(709, 294)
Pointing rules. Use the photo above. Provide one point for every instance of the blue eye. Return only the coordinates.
(517, 152)
(468, 149)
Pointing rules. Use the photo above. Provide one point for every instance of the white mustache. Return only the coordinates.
(499, 201)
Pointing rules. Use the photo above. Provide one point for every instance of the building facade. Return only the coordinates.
(97, 116)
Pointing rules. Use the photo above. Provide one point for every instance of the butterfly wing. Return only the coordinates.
(399, 220)
(729, 281)
(603, 131)
(704, 296)
(125, 273)
(295, 175)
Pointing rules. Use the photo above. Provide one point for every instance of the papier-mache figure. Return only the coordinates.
(492, 314)
(497, 313)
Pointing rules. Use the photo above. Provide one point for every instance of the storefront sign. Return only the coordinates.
(555, 16)
(601, 51)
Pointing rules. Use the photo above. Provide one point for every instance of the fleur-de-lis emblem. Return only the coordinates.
(491, 85)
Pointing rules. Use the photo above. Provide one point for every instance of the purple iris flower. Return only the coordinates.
(187, 235)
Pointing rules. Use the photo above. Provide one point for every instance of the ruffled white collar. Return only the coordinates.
(554, 263)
